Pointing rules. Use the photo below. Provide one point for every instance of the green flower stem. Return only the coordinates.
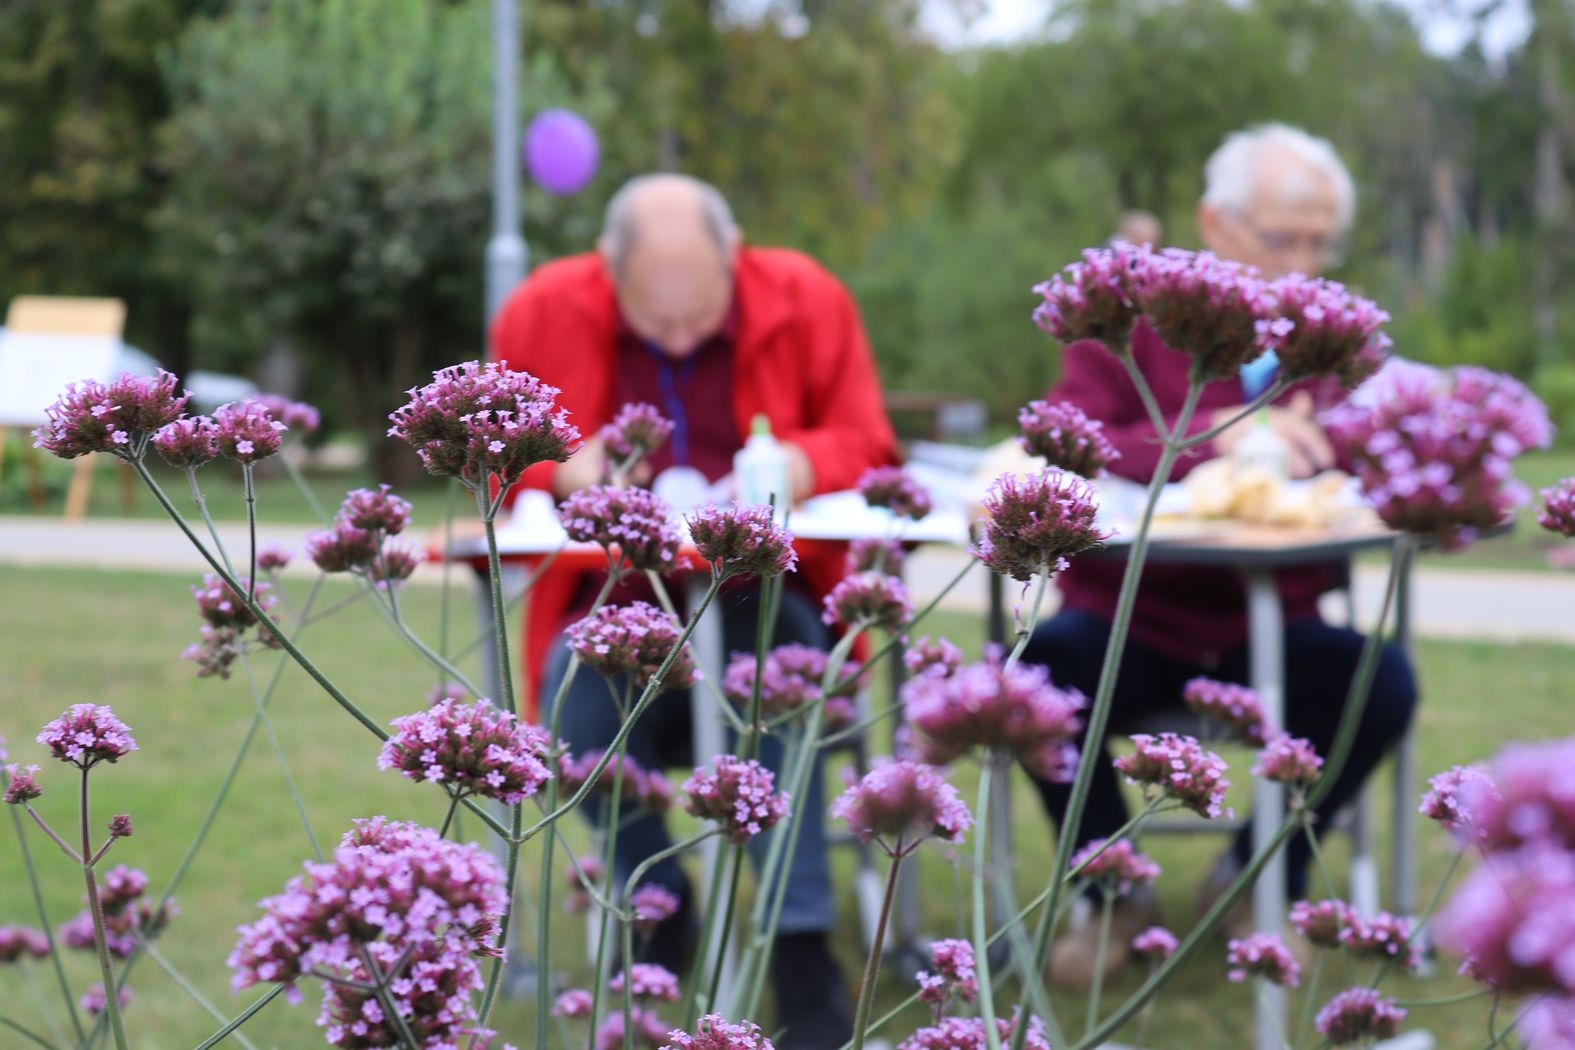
(1099, 713)
(28, 1034)
(713, 906)
(1106, 906)
(1445, 1000)
(1145, 392)
(1422, 920)
(54, 836)
(1258, 986)
(380, 982)
(96, 908)
(1252, 407)
(616, 746)
(981, 944)
(614, 803)
(736, 859)
(1025, 630)
(830, 740)
(284, 765)
(202, 509)
(448, 817)
(450, 492)
(312, 502)
(431, 655)
(241, 1018)
(251, 528)
(872, 966)
(895, 639)
(1310, 998)
(511, 872)
(500, 617)
(44, 923)
(191, 990)
(765, 625)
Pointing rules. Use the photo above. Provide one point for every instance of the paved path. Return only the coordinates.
(1447, 603)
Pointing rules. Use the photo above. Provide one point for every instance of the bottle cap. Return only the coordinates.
(760, 425)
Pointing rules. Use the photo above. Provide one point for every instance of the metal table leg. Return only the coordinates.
(1267, 632)
(709, 737)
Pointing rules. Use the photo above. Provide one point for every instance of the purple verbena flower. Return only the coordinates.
(187, 442)
(1323, 922)
(1332, 331)
(87, 734)
(578, 898)
(1359, 1015)
(652, 904)
(1179, 767)
(1288, 760)
(1384, 936)
(1236, 707)
(1033, 524)
(1513, 919)
(875, 555)
(900, 804)
(1558, 508)
(479, 421)
(17, 941)
(221, 607)
(649, 1031)
(469, 749)
(94, 1001)
(635, 432)
(394, 564)
(342, 548)
(1207, 307)
(1015, 711)
(967, 1033)
(1434, 455)
(1453, 795)
(791, 682)
(1117, 866)
(392, 894)
(1263, 955)
(869, 599)
(119, 417)
(376, 510)
(1155, 943)
(1066, 438)
(739, 795)
(246, 432)
(1530, 796)
(648, 789)
(22, 786)
(297, 416)
(925, 656)
(633, 640)
(128, 915)
(897, 491)
(1092, 299)
(713, 1032)
(952, 975)
(272, 558)
(742, 541)
(635, 523)
(1548, 1023)
(120, 826)
(648, 981)
(576, 1002)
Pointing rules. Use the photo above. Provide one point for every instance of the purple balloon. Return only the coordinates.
(561, 151)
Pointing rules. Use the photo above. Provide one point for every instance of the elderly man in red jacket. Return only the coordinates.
(1278, 199)
(674, 311)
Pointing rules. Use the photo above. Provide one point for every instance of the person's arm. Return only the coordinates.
(848, 430)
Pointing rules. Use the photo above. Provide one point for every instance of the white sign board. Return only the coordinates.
(35, 368)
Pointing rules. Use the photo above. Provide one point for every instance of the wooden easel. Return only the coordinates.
(67, 316)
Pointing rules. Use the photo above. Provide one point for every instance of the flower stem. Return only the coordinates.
(1106, 906)
(1310, 998)
(100, 937)
(44, 924)
(284, 765)
(981, 944)
(251, 528)
(510, 880)
(27, 1034)
(241, 1018)
(872, 967)
(500, 617)
(202, 509)
(186, 986)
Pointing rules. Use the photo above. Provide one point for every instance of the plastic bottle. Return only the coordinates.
(1264, 449)
(760, 468)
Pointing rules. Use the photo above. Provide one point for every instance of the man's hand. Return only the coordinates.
(581, 470)
(1308, 447)
(800, 472)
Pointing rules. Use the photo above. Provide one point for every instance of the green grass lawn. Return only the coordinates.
(76, 636)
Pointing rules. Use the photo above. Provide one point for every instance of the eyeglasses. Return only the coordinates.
(1327, 247)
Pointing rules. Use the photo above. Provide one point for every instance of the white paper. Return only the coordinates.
(35, 369)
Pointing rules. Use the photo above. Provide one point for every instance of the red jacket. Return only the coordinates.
(800, 357)
(1191, 614)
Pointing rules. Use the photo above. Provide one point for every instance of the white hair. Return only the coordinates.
(619, 228)
(1231, 174)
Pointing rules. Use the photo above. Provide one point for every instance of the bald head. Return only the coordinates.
(669, 244)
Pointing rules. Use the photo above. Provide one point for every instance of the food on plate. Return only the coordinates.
(1223, 489)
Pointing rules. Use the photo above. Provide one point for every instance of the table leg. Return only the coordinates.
(709, 737)
(1405, 801)
(1267, 632)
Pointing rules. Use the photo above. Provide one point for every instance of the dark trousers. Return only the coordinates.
(662, 739)
(1320, 661)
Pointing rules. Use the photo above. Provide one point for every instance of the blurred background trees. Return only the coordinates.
(299, 190)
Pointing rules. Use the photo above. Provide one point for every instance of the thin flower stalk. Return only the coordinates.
(45, 925)
(872, 965)
(96, 908)
(981, 946)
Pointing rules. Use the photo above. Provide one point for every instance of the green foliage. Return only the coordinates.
(1481, 315)
(1555, 384)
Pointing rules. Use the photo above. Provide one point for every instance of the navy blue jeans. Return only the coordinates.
(661, 739)
(1320, 661)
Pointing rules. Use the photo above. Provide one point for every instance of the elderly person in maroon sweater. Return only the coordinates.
(1278, 199)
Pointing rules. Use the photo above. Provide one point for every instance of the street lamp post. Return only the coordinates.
(507, 254)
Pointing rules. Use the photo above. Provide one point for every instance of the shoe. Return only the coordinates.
(672, 943)
(812, 1000)
(1074, 954)
(1238, 923)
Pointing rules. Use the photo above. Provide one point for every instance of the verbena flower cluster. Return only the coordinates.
(87, 734)
(900, 804)
(1263, 955)
(1155, 943)
(1236, 707)
(790, 681)
(1558, 508)
(927, 655)
(297, 416)
(1013, 711)
(1116, 866)
(742, 541)
(1360, 1015)
(868, 599)
(227, 630)
(1434, 455)
(739, 795)
(1033, 524)
(646, 788)
(128, 915)
(896, 490)
(1066, 438)
(1382, 936)
(188, 442)
(477, 422)
(869, 554)
(1219, 312)
(634, 526)
(1288, 760)
(967, 1033)
(1177, 766)
(117, 417)
(1322, 922)
(19, 941)
(634, 433)
(647, 981)
(469, 749)
(398, 909)
(1446, 800)
(358, 542)
(651, 905)
(952, 976)
(246, 432)
(714, 1032)
(1330, 330)
(633, 640)
(1092, 299)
